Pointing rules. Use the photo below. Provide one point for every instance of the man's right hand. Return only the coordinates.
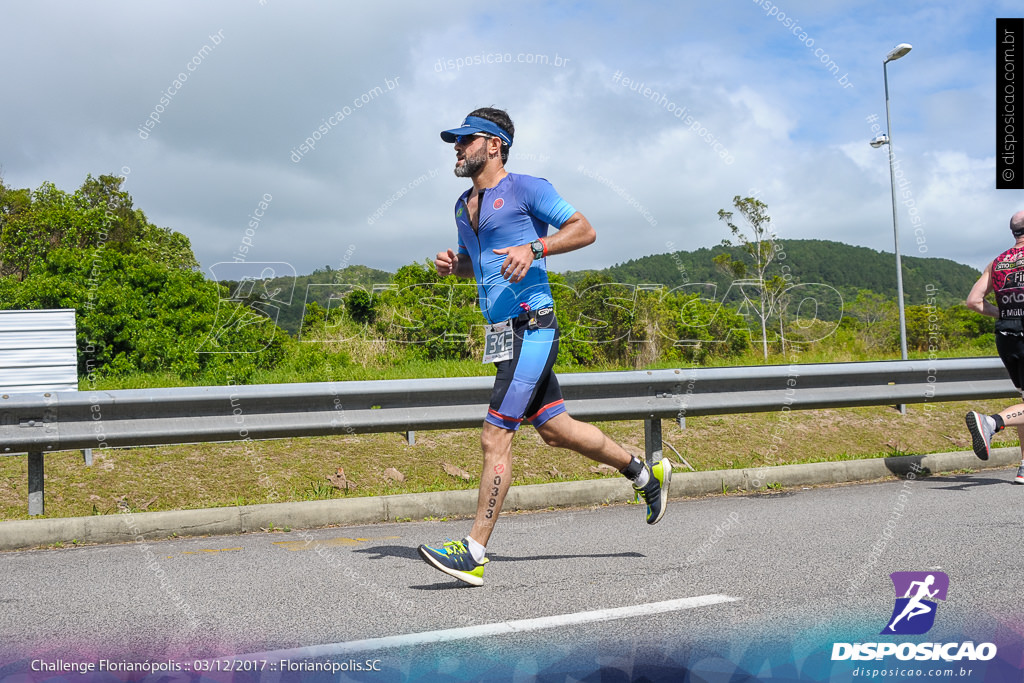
(446, 263)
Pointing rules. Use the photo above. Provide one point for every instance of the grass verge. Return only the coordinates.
(216, 475)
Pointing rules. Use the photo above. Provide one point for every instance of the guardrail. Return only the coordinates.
(45, 422)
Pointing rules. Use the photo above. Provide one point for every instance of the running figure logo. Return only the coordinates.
(914, 612)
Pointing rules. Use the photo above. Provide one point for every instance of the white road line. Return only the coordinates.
(485, 630)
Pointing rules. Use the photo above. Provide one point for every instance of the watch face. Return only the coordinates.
(538, 249)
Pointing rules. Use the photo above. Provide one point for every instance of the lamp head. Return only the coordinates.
(899, 51)
(882, 139)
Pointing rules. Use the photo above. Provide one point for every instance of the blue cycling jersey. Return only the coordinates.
(516, 211)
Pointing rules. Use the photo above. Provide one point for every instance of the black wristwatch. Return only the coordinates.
(538, 249)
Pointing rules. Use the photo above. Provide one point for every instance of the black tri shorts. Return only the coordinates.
(525, 387)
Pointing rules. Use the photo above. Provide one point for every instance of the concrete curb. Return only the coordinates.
(19, 534)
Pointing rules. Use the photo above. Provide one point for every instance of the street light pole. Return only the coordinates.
(899, 51)
(892, 182)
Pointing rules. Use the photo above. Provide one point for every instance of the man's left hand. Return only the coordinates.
(517, 262)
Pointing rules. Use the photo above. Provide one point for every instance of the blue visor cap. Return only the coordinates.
(475, 124)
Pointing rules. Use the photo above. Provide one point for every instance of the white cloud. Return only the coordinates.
(84, 85)
(767, 116)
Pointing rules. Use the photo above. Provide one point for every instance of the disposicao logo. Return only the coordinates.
(914, 614)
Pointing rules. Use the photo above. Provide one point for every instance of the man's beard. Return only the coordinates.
(471, 166)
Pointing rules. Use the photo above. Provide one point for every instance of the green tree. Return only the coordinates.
(760, 292)
(98, 214)
(436, 315)
(700, 328)
(50, 219)
(361, 307)
(142, 305)
(137, 315)
(878, 320)
(604, 322)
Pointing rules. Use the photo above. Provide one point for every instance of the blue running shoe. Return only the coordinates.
(454, 559)
(655, 491)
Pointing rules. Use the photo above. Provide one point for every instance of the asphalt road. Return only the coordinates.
(758, 583)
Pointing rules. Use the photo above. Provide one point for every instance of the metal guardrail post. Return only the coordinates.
(410, 438)
(35, 483)
(652, 440)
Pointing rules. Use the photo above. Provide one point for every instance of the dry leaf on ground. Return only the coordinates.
(340, 481)
(456, 471)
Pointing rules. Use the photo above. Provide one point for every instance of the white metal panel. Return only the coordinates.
(12, 378)
(36, 339)
(38, 358)
(54, 319)
(38, 350)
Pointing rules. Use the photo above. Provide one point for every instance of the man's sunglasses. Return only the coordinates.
(464, 139)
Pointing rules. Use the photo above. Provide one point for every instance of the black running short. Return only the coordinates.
(525, 387)
(1011, 352)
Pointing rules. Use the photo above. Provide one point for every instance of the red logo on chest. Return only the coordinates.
(498, 203)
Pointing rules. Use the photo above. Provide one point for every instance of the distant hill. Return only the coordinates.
(845, 267)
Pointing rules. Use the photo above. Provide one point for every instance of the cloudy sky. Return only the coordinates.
(744, 79)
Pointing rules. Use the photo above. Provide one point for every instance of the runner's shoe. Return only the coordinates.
(982, 428)
(1019, 479)
(655, 492)
(454, 559)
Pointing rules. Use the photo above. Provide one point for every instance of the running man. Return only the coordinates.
(1004, 277)
(502, 223)
(914, 606)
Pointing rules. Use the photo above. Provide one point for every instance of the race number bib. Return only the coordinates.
(498, 342)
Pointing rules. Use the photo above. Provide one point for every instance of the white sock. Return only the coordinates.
(476, 550)
(642, 478)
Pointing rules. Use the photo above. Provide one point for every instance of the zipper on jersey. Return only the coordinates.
(479, 243)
